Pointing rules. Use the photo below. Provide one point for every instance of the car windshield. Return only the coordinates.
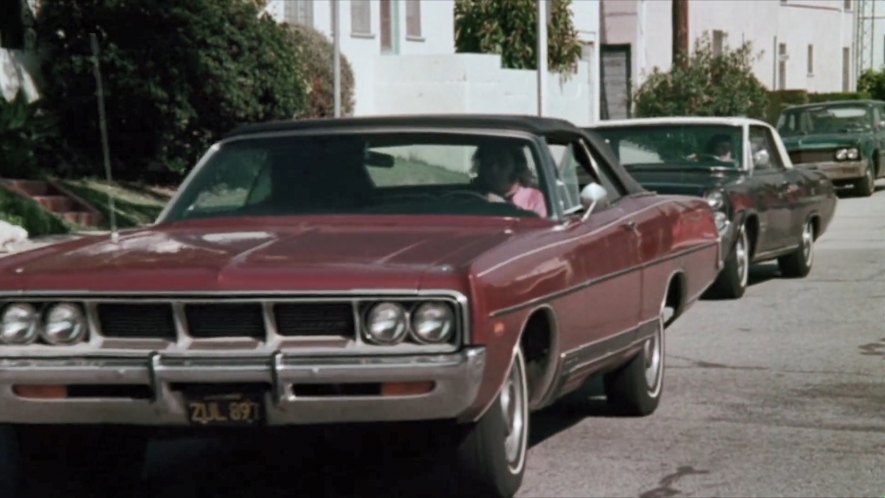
(348, 173)
(825, 119)
(679, 146)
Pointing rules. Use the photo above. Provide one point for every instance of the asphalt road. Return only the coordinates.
(781, 393)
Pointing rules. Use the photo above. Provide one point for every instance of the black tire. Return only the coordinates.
(635, 389)
(492, 467)
(866, 185)
(798, 263)
(731, 283)
(59, 460)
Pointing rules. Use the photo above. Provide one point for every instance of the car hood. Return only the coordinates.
(257, 255)
(682, 181)
(821, 141)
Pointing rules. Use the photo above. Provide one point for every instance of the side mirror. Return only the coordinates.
(761, 159)
(593, 195)
(880, 125)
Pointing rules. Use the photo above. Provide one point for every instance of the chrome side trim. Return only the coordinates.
(583, 285)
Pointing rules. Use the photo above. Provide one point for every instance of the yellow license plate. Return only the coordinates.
(229, 409)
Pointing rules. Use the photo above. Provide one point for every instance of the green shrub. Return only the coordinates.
(26, 132)
(28, 214)
(872, 83)
(706, 85)
(778, 100)
(509, 28)
(316, 54)
(177, 75)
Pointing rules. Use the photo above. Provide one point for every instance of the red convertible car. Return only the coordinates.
(466, 268)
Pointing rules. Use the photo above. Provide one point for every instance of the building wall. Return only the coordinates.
(423, 74)
(646, 25)
(437, 30)
(476, 83)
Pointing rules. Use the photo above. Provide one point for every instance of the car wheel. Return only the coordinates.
(92, 462)
(798, 263)
(635, 389)
(866, 186)
(492, 453)
(732, 280)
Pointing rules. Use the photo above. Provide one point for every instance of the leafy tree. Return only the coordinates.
(509, 28)
(26, 133)
(708, 85)
(316, 54)
(872, 83)
(176, 75)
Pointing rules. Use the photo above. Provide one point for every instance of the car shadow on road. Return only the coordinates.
(762, 273)
(368, 460)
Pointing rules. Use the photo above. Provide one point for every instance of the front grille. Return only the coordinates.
(225, 320)
(136, 321)
(812, 156)
(315, 319)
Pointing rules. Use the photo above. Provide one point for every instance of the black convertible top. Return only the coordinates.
(551, 128)
(529, 124)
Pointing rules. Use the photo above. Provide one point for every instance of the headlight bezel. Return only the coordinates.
(415, 315)
(76, 318)
(847, 154)
(34, 328)
(403, 320)
(716, 200)
(413, 311)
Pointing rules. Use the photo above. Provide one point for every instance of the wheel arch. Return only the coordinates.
(539, 340)
(676, 295)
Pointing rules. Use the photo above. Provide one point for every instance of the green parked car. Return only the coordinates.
(845, 140)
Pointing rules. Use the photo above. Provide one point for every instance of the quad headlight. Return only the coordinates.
(433, 323)
(64, 324)
(20, 324)
(716, 200)
(386, 323)
(847, 154)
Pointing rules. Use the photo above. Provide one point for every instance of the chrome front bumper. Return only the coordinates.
(457, 379)
(840, 170)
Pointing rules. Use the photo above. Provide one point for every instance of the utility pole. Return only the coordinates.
(541, 54)
(336, 57)
(680, 32)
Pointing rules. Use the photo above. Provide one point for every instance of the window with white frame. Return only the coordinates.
(413, 18)
(360, 17)
(298, 12)
(810, 59)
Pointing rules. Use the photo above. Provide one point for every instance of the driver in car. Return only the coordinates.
(502, 172)
(719, 147)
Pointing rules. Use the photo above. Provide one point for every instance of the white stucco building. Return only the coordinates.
(802, 44)
(402, 53)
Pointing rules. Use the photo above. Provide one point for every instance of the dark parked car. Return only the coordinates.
(459, 268)
(845, 140)
(765, 209)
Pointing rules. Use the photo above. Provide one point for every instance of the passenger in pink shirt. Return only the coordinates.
(502, 172)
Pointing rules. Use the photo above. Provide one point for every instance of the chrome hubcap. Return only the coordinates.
(653, 353)
(808, 243)
(513, 406)
(743, 258)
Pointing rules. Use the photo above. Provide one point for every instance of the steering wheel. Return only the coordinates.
(465, 193)
(706, 156)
